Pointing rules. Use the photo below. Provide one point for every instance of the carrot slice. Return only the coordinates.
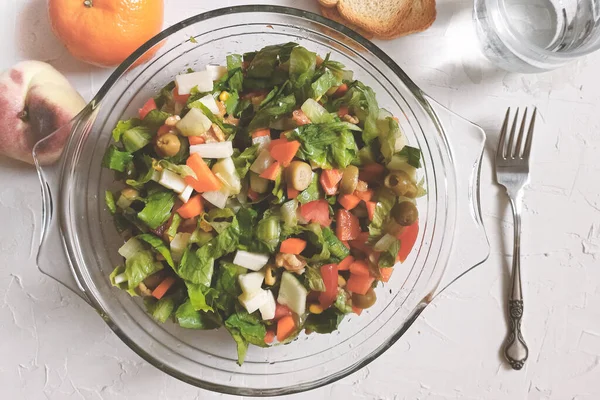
(292, 193)
(285, 152)
(367, 195)
(272, 172)
(344, 265)
(261, 132)
(285, 327)
(359, 268)
(196, 140)
(386, 273)
(206, 181)
(192, 208)
(371, 205)
(282, 139)
(359, 284)
(162, 287)
(292, 246)
(348, 201)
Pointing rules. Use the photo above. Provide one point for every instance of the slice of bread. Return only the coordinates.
(334, 15)
(421, 16)
(381, 17)
(328, 3)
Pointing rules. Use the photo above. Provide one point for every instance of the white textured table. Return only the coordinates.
(52, 345)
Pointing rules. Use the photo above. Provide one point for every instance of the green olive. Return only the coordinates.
(299, 175)
(349, 180)
(364, 300)
(401, 184)
(168, 145)
(405, 213)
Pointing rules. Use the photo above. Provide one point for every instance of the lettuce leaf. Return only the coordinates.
(109, 199)
(312, 192)
(385, 201)
(302, 69)
(136, 138)
(189, 318)
(139, 267)
(123, 126)
(246, 328)
(162, 309)
(313, 279)
(202, 297)
(159, 245)
(388, 257)
(265, 60)
(145, 176)
(155, 118)
(115, 159)
(158, 209)
(228, 286)
(412, 155)
(326, 322)
(243, 161)
(272, 111)
(234, 61)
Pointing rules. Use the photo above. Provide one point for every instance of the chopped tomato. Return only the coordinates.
(261, 132)
(372, 173)
(285, 327)
(269, 337)
(180, 98)
(356, 310)
(316, 211)
(330, 178)
(252, 195)
(344, 265)
(300, 118)
(365, 195)
(146, 108)
(341, 90)
(292, 193)
(359, 268)
(407, 238)
(347, 225)
(348, 201)
(281, 311)
(329, 273)
(342, 111)
(371, 206)
(163, 130)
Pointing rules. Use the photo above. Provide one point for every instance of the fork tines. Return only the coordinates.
(518, 151)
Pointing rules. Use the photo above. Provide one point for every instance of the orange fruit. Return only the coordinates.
(105, 32)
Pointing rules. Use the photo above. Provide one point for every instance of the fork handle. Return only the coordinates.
(516, 350)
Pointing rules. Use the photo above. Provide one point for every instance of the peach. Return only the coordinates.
(35, 101)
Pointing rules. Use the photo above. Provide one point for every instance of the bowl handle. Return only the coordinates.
(470, 246)
(52, 259)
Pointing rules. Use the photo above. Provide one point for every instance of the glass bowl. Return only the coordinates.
(79, 242)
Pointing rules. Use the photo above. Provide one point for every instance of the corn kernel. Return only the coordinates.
(315, 309)
(224, 96)
(341, 281)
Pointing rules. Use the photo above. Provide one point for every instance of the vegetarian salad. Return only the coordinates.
(269, 196)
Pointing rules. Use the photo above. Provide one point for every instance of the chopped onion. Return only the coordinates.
(123, 202)
(179, 244)
(194, 123)
(210, 103)
(218, 198)
(171, 180)
(131, 248)
(216, 71)
(384, 242)
(251, 282)
(262, 162)
(253, 302)
(155, 176)
(315, 112)
(252, 261)
(186, 194)
(289, 213)
(267, 310)
(258, 184)
(120, 278)
(225, 170)
(262, 141)
(213, 150)
(292, 293)
(186, 82)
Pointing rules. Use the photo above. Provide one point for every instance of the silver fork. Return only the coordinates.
(512, 172)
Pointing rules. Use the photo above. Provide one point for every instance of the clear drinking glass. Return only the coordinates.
(80, 243)
(536, 35)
